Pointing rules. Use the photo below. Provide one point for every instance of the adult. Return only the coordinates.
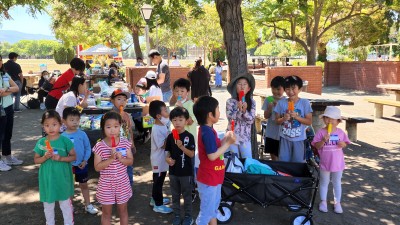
(175, 61)
(71, 98)
(7, 87)
(63, 82)
(14, 70)
(163, 75)
(152, 86)
(218, 74)
(200, 80)
(45, 85)
(113, 73)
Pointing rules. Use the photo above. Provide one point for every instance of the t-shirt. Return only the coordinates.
(292, 129)
(159, 134)
(210, 172)
(331, 155)
(183, 163)
(67, 100)
(5, 101)
(188, 105)
(164, 68)
(199, 82)
(82, 147)
(175, 63)
(155, 91)
(55, 177)
(272, 130)
(62, 84)
(13, 69)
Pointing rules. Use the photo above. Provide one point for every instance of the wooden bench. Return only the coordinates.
(379, 103)
(351, 125)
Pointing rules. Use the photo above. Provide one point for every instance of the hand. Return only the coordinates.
(270, 107)
(189, 121)
(2, 90)
(56, 157)
(240, 105)
(244, 106)
(342, 144)
(179, 143)
(230, 137)
(286, 117)
(178, 103)
(170, 161)
(82, 165)
(87, 93)
(48, 155)
(326, 138)
(118, 155)
(293, 115)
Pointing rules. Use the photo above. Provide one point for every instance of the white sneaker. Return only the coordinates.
(4, 167)
(91, 209)
(12, 161)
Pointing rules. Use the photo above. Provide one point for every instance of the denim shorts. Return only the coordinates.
(210, 197)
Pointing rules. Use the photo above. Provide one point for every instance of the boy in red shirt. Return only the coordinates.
(210, 175)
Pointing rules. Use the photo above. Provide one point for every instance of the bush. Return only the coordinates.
(217, 54)
(63, 55)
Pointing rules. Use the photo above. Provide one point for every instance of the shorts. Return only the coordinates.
(81, 175)
(210, 197)
(271, 146)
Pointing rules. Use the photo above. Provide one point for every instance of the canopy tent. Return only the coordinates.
(99, 50)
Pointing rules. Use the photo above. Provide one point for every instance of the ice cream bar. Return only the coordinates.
(241, 96)
(232, 125)
(121, 109)
(175, 134)
(113, 145)
(329, 128)
(291, 106)
(270, 99)
(48, 146)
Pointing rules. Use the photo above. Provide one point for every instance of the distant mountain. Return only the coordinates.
(12, 36)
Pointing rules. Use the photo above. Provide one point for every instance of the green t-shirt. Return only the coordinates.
(188, 105)
(55, 178)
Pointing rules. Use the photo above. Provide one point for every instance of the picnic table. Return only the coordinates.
(32, 79)
(396, 89)
(92, 111)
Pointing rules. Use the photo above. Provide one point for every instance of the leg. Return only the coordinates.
(298, 151)
(284, 150)
(17, 96)
(176, 191)
(106, 214)
(323, 190)
(245, 150)
(217, 200)
(337, 185)
(51, 102)
(6, 143)
(49, 213)
(208, 195)
(123, 213)
(67, 211)
(158, 182)
(85, 193)
(186, 188)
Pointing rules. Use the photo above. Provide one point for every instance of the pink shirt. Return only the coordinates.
(331, 155)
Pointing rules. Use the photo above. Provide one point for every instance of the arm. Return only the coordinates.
(232, 111)
(100, 164)
(84, 103)
(12, 89)
(187, 152)
(230, 139)
(161, 78)
(41, 159)
(71, 157)
(307, 120)
(249, 117)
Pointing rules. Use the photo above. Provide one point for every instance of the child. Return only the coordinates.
(152, 86)
(141, 95)
(210, 175)
(242, 111)
(119, 100)
(54, 153)
(293, 121)
(179, 154)
(111, 157)
(71, 119)
(158, 110)
(330, 142)
(272, 131)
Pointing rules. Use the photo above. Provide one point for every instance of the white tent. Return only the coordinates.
(99, 50)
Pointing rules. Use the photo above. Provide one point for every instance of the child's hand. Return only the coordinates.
(48, 155)
(178, 103)
(170, 161)
(189, 121)
(230, 137)
(286, 117)
(56, 157)
(240, 105)
(244, 106)
(178, 143)
(293, 115)
(342, 144)
(118, 155)
(82, 165)
(326, 138)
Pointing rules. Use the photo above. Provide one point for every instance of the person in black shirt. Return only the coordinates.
(14, 70)
(179, 154)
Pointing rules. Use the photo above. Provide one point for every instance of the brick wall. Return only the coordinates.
(362, 76)
(133, 74)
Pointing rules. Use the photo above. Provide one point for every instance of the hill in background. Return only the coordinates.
(12, 36)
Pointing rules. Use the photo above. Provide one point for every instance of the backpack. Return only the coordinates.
(33, 103)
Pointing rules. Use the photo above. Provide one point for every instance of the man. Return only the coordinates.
(14, 70)
(175, 61)
(163, 76)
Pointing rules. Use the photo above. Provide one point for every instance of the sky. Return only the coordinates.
(23, 22)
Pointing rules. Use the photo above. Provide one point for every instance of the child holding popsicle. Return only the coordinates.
(241, 108)
(330, 142)
(111, 157)
(54, 154)
(293, 114)
(272, 130)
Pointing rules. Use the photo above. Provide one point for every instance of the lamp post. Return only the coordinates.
(146, 14)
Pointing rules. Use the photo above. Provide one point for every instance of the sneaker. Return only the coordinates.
(188, 220)
(91, 209)
(12, 161)
(176, 220)
(323, 206)
(17, 110)
(166, 201)
(4, 167)
(162, 209)
(337, 208)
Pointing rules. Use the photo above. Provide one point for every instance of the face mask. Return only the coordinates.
(46, 77)
(164, 121)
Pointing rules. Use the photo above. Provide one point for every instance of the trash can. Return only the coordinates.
(305, 86)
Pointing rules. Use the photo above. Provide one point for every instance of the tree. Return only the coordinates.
(307, 22)
(171, 39)
(33, 6)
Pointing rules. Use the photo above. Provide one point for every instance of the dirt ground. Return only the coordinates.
(371, 182)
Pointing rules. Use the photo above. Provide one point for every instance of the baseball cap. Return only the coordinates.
(119, 92)
(151, 75)
(142, 82)
(153, 52)
(332, 112)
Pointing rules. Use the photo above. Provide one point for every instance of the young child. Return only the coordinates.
(141, 94)
(293, 121)
(152, 86)
(158, 110)
(330, 142)
(119, 99)
(179, 154)
(272, 131)
(111, 157)
(210, 175)
(71, 119)
(54, 153)
(242, 111)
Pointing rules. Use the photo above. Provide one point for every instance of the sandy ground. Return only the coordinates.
(370, 182)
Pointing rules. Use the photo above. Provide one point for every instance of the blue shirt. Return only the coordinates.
(208, 137)
(81, 145)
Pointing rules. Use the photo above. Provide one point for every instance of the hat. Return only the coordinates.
(12, 55)
(119, 92)
(142, 82)
(232, 84)
(332, 112)
(153, 52)
(151, 75)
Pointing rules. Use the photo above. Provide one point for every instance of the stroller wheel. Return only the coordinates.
(301, 219)
(224, 213)
(229, 203)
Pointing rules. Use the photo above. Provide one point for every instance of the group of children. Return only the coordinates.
(191, 152)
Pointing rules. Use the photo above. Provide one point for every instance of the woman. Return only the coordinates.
(199, 78)
(218, 74)
(113, 73)
(7, 87)
(45, 85)
(152, 86)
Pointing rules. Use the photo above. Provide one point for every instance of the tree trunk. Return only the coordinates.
(136, 44)
(231, 22)
(311, 55)
(322, 52)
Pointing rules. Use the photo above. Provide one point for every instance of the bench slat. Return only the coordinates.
(383, 102)
(357, 119)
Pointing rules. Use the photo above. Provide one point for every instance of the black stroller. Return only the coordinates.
(296, 192)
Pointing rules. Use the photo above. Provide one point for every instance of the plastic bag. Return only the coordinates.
(234, 165)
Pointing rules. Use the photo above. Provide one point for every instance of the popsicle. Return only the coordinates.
(175, 134)
(113, 145)
(121, 109)
(270, 99)
(329, 128)
(241, 96)
(48, 146)
(232, 125)
(290, 106)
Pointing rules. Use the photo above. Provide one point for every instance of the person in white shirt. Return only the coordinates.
(175, 61)
(152, 85)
